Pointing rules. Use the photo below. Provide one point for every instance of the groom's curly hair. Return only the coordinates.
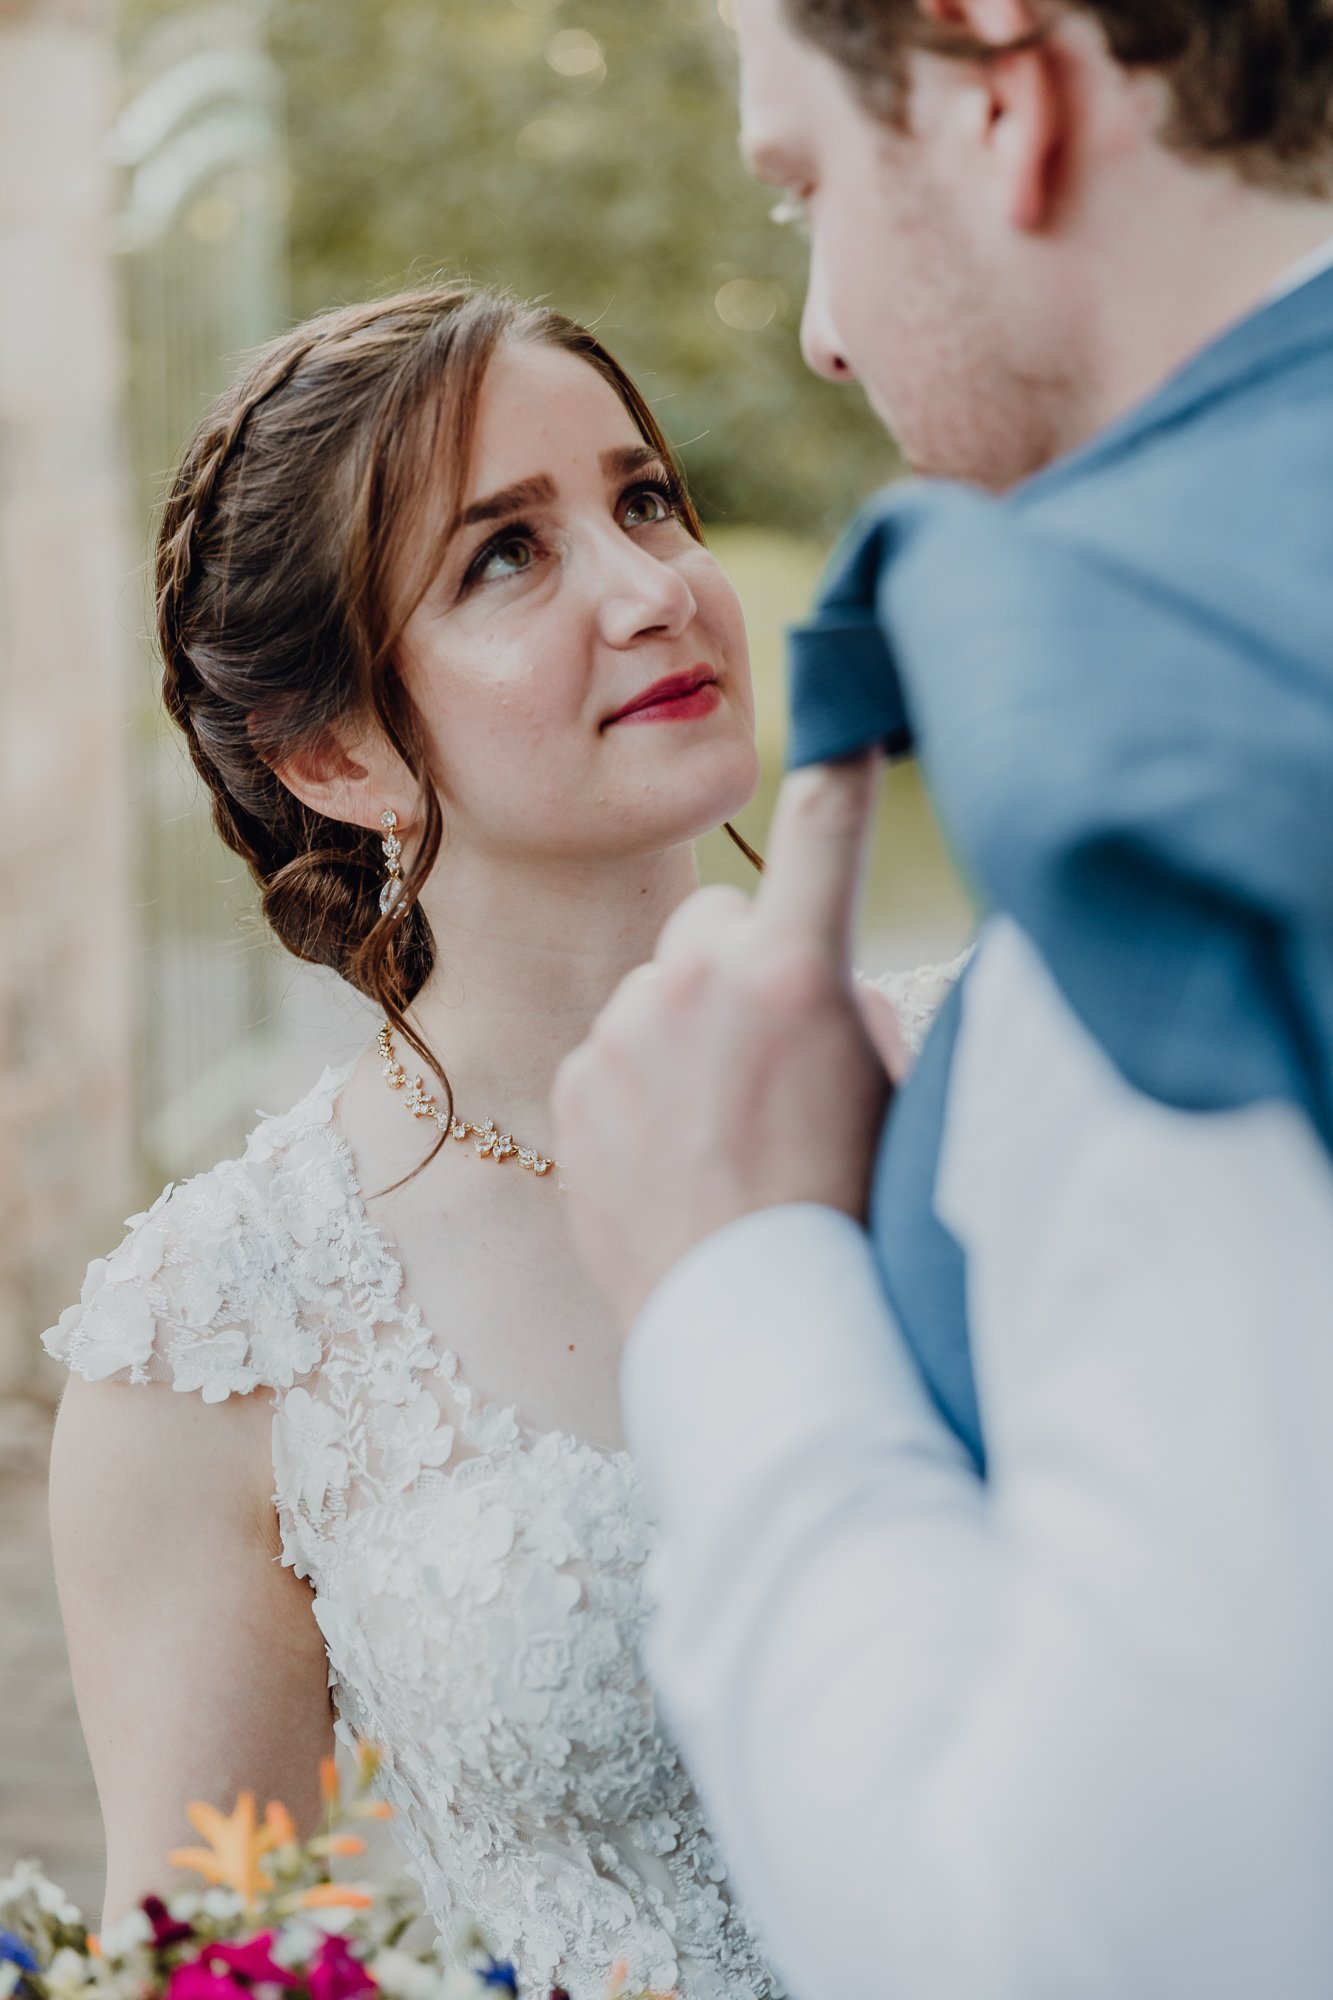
(1251, 81)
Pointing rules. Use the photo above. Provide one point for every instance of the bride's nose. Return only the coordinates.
(642, 597)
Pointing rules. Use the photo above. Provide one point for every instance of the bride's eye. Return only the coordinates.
(644, 506)
(505, 555)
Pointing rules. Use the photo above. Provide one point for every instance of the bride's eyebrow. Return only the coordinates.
(628, 459)
(525, 493)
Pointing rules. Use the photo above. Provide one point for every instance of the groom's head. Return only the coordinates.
(1024, 213)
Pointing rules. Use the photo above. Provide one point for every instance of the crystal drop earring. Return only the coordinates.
(393, 851)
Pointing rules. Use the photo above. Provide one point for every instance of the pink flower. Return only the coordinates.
(220, 1969)
(253, 1961)
(335, 1974)
(195, 1982)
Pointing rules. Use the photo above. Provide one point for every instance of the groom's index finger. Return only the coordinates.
(816, 848)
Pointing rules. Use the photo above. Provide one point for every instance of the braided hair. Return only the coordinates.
(284, 580)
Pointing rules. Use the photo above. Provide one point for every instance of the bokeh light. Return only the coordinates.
(576, 53)
(748, 304)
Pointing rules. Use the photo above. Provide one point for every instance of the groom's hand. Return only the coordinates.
(737, 1071)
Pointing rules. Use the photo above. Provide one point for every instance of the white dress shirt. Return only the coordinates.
(1067, 1734)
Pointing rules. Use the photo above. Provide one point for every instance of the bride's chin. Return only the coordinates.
(715, 796)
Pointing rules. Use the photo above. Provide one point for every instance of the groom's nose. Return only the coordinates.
(820, 344)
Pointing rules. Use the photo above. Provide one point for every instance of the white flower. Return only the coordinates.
(296, 1943)
(659, 1833)
(491, 1428)
(130, 1930)
(543, 1660)
(140, 1255)
(411, 1437)
(221, 1904)
(10, 1976)
(306, 1191)
(69, 1972)
(281, 1347)
(593, 1903)
(25, 1878)
(114, 1322)
(403, 1976)
(214, 1364)
(461, 1983)
(390, 1376)
(469, 1542)
(532, 1645)
(305, 1454)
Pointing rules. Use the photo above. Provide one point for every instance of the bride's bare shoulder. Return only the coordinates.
(135, 1468)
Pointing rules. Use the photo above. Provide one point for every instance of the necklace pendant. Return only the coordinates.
(491, 1142)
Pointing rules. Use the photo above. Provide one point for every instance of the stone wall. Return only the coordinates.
(68, 605)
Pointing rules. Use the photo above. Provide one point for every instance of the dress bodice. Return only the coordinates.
(480, 1585)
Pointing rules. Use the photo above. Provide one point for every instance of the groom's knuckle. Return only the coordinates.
(787, 976)
(708, 911)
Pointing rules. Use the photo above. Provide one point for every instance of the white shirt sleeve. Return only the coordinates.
(1067, 1734)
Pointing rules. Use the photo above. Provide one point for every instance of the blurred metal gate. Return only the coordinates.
(201, 235)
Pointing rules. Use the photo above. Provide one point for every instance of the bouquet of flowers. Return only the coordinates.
(269, 1923)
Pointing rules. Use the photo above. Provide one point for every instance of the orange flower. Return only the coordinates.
(236, 1846)
(280, 1823)
(373, 1809)
(94, 1945)
(329, 1787)
(335, 1896)
(618, 1975)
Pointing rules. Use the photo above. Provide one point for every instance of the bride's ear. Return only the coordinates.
(1021, 127)
(353, 779)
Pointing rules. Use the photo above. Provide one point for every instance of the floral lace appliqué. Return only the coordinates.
(479, 1585)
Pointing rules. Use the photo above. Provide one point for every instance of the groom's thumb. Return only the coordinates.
(816, 850)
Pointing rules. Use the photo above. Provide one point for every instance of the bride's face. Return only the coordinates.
(579, 660)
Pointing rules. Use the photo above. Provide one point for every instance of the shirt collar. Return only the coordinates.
(1313, 265)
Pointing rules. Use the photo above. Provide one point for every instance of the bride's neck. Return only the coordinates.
(526, 959)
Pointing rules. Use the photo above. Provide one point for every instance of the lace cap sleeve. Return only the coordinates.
(917, 996)
(201, 1293)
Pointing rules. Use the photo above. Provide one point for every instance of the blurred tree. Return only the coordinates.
(583, 151)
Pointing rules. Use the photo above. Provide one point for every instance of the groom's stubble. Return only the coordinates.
(900, 296)
(1021, 252)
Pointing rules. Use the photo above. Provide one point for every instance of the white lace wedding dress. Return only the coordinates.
(479, 1584)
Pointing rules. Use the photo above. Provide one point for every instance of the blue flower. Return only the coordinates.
(13, 1951)
(499, 1972)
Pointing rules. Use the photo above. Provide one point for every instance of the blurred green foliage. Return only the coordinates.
(583, 151)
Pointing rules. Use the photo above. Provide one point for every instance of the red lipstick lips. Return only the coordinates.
(678, 698)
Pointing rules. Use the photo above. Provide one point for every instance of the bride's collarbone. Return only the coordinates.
(487, 1259)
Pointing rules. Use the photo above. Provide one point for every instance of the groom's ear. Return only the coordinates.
(1018, 95)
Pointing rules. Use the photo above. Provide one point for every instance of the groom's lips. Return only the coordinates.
(678, 698)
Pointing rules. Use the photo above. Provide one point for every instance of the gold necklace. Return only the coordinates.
(492, 1143)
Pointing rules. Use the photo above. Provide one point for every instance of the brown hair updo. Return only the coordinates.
(287, 569)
